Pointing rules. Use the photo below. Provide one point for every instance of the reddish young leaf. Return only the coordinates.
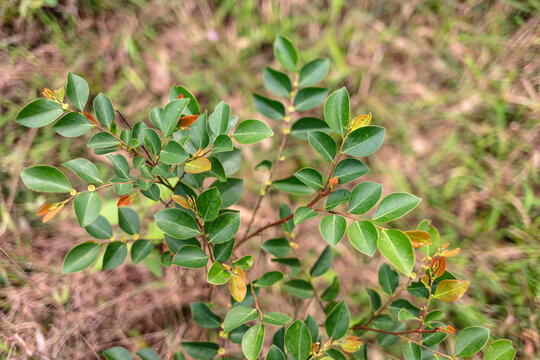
(49, 211)
(437, 266)
(181, 96)
(182, 201)
(125, 200)
(45, 209)
(450, 253)
(90, 117)
(186, 121)
(418, 238)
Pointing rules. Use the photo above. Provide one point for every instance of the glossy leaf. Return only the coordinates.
(197, 166)
(222, 143)
(140, 250)
(128, 220)
(323, 144)
(332, 228)
(388, 278)
(298, 340)
(292, 185)
(224, 227)
(45, 178)
(309, 98)
(120, 164)
(218, 121)
(364, 141)
(500, 350)
(85, 169)
(115, 254)
(272, 109)
(276, 318)
(338, 321)
(337, 112)
(104, 110)
(237, 316)
(191, 257)
(100, 228)
(193, 106)
(277, 82)
(302, 127)
(302, 214)
(173, 153)
(148, 354)
(363, 236)
(200, 350)
(412, 351)
(252, 341)
(323, 263)
(77, 91)
(395, 206)
(72, 125)
(238, 288)
(396, 248)
(313, 72)
(80, 257)
(170, 116)
(310, 177)
(349, 170)
(471, 340)
(285, 52)
(209, 203)
(39, 112)
(252, 131)
(278, 247)
(117, 353)
(203, 316)
(336, 198)
(268, 279)
(299, 288)
(451, 290)
(274, 353)
(102, 140)
(176, 223)
(364, 196)
(87, 206)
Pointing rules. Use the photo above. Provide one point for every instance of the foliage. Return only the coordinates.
(170, 162)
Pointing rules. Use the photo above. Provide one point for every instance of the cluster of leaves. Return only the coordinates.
(169, 163)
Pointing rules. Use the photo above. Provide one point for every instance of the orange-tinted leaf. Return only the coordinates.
(450, 253)
(237, 288)
(48, 93)
(449, 329)
(45, 209)
(197, 166)
(333, 181)
(437, 266)
(186, 121)
(182, 201)
(181, 96)
(90, 117)
(425, 280)
(418, 238)
(240, 272)
(351, 344)
(53, 212)
(125, 200)
(451, 290)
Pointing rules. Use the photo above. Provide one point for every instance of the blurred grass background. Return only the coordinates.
(456, 83)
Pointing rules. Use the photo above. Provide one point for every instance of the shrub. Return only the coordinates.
(170, 162)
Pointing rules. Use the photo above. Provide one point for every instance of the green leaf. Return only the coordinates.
(338, 321)
(102, 140)
(363, 236)
(252, 341)
(272, 109)
(152, 140)
(148, 354)
(224, 227)
(77, 91)
(276, 318)
(405, 315)
(222, 143)
(128, 220)
(45, 178)
(120, 164)
(191, 257)
(244, 262)
(302, 127)
(388, 278)
(332, 228)
(115, 254)
(313, 326)
(230, 191)
(395, 206)
(323, 263)
(87, 206)
(176, 223)
(292, 185)
(217, 275)
(80, 257)
(203, 316)
(85, 169)
(337, 197)
(200, 349)
(435, 315)
(433, 235)
(302, 214)
(298, 340)
(310, 177)
(72, 125)
(198, 135)
(323, 144)
(173, 153)
(218, 121)
(274, 353)
(117, 353)
(364, 141)
(100, 228)
(450, 290)
(299, 288)
(500, 350)
(104, 110)
(171, 114)
(278, 247)
(412, 351)
(223, 251)
(364, 196)
(237, 316)
(431, 339)
(251, 132)
(313, 72)
(208, 204)
(140, 250)
(285, 52)
(336, 111)
(374, 299)
(349, 170)
(38, 113)
(332, 291)
(397, 248)
(309, 98)
(471, 340)
(268, 279)
(193, 106)
(277, 82)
